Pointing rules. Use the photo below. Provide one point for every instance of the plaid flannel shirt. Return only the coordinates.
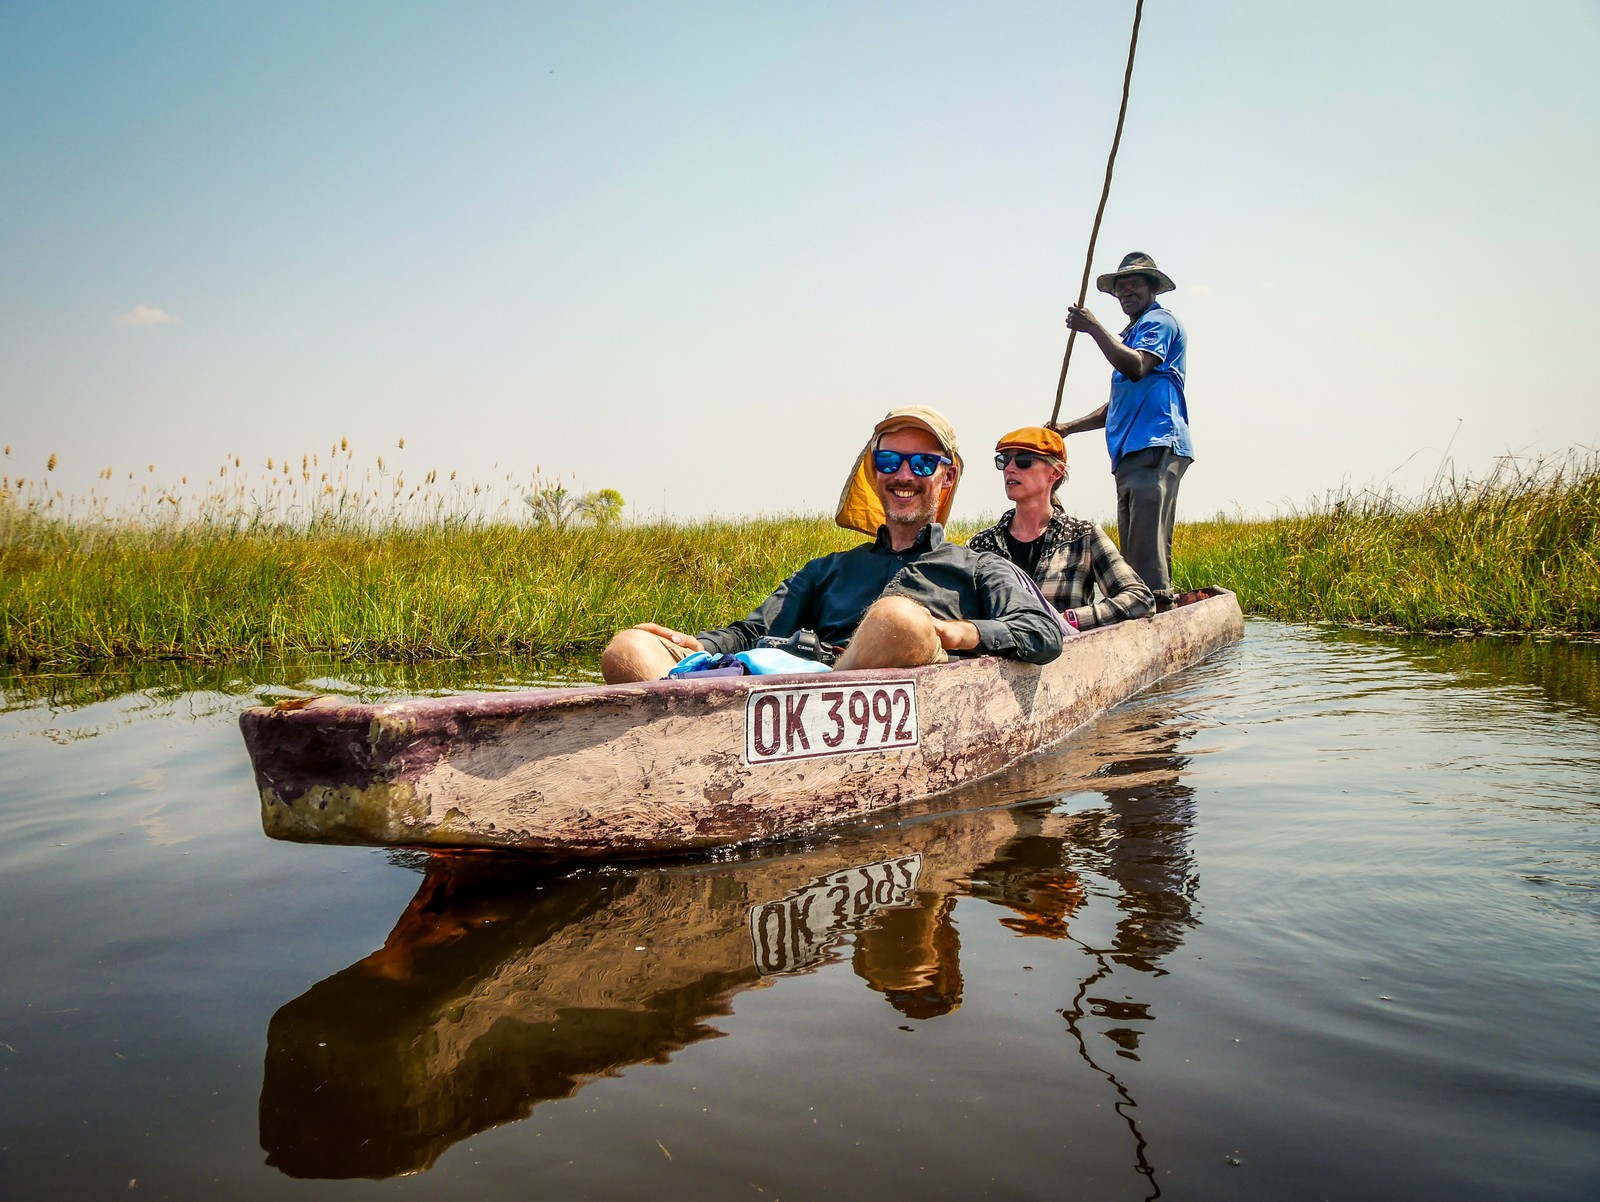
(1076, 557)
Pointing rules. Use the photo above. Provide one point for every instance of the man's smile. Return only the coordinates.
(911, 501)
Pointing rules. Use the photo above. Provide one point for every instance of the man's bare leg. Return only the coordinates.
(895, 633)
(634, 655)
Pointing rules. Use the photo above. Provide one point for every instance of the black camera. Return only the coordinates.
(803, 643)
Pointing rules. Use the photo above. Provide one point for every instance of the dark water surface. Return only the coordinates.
(1317, 919)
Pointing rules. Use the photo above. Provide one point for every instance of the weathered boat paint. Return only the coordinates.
(661, 767)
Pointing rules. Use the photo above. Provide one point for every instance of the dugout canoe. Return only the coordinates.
(667, 767)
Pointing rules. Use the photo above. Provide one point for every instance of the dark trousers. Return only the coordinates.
(1147, 510)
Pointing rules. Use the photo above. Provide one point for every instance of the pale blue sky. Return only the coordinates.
(692, 251)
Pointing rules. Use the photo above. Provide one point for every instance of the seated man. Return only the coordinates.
(907, 598)
(1066, 556)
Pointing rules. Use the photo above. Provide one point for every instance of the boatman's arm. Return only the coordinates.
(1089, 421)
(1134, 364)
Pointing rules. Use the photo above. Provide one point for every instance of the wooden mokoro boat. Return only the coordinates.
(675, 766)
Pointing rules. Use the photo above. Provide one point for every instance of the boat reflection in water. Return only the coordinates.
(504, 985)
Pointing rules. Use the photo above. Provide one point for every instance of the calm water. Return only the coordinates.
(1317, 919)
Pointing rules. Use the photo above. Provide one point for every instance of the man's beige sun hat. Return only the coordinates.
(859, 507)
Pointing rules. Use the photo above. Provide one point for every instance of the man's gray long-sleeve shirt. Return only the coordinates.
(830, 594)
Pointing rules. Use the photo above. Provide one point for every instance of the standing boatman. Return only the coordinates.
(1146, 420)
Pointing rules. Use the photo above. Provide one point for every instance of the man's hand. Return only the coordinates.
(687, 641)
(1133, 364)
(956, 635)
(1085, 322)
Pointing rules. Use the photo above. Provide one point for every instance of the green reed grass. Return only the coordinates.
(415, 592)
(1516, 551)
(363, 574)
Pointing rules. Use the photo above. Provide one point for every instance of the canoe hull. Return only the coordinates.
(673, 766)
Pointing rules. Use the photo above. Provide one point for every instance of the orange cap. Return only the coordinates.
(1034, 438)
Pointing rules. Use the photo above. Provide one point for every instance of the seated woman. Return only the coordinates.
(1067, 556)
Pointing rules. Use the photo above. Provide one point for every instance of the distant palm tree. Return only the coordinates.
(603, 508)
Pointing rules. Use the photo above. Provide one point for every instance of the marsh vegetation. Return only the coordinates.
(1518, 550)
(323, 558)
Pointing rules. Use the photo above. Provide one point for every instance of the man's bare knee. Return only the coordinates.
(634, 655)
(896, 632)
(899, 614)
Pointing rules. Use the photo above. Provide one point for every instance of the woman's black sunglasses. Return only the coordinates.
(1023, 459)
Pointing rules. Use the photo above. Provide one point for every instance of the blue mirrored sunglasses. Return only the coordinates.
(923, 463)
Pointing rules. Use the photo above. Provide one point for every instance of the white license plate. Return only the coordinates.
(798, 722)
(797, 931)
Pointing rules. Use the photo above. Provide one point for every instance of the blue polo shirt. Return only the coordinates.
(1151, 411)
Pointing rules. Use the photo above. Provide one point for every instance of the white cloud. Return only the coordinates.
(1200, 291)
(147, 315)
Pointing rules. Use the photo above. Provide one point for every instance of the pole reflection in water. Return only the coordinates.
(1139, 841)
(1143, 839)
(504, 985)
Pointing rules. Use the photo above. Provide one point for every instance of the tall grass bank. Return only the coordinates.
(1516, 551)
(68, 596)
(361, 576)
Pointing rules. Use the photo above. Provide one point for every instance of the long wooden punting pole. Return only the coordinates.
(1105, 191)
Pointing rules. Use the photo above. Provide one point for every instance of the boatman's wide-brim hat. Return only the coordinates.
(1136, 263)
(859, 507)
